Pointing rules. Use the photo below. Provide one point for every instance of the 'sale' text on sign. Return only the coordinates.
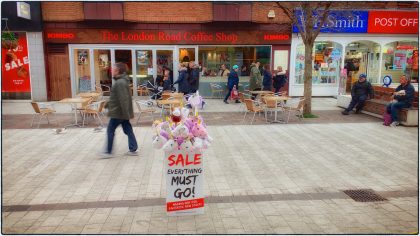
(184, 183)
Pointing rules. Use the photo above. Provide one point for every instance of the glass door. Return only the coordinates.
(102, 68)
(164, 66)
(144, 63)
(124, 56)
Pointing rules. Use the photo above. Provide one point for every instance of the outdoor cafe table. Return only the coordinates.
(92, 95)
(277, 99)
(74, 102)
(261, 92)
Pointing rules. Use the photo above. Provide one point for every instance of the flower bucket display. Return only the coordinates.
(183, 138)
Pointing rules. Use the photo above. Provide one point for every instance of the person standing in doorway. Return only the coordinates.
(120, 110)
(255, 80)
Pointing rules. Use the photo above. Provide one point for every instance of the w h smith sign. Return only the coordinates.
(338, 21)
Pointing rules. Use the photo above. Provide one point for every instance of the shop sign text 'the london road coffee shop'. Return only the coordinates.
(165, 37)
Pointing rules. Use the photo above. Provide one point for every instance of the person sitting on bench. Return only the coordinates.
(404, 96)
(359, 93)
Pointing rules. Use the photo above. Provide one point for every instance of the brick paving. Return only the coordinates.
(259, 179)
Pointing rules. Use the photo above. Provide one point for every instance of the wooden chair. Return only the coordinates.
(216, 89)
(250, 106)
(43, 110)
(297, 109)
(94, 109)
(144, 108)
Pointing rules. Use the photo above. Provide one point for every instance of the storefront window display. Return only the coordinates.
(400, 58)
(362, 57)
(144, 61)
(82, 70)
(326, 63)
(211, 58)
(103, 69)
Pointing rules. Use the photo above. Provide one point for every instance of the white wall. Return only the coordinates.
(37, 66)
(344, 40)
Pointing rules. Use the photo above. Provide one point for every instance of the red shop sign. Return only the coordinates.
(393, 22)
(15, 65)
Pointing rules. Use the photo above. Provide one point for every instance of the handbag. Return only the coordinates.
(234, 94)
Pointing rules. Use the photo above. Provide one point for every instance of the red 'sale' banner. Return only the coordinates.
(15, 65)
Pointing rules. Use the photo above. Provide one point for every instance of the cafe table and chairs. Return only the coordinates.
(276, 105)
(74, 102)
(94, 95)
(167, 104)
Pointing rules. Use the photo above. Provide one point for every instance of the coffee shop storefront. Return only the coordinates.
(91, 53)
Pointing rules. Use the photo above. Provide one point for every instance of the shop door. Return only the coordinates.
(164, 61)
(59, 84)
(281, 57)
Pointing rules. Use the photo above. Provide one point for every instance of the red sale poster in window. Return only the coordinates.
(184, 183)
(15, 64)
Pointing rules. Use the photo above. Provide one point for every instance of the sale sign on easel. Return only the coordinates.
(184, 183)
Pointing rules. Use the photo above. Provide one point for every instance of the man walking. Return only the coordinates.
(359, 93)
(120, 110)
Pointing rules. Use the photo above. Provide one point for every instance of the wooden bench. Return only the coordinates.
(376, 107)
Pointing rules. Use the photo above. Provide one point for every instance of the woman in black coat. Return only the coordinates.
(279, 79)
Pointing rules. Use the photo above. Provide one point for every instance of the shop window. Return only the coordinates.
(82, 70)
(102, 65)
(362, 57)
(212, 58)
(144, 61)
(186, 54)
(400, 58)
(326, 63)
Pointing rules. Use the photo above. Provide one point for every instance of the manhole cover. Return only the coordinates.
(364, 195)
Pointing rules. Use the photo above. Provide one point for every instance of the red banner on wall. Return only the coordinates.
(15, 65)
(393, 22)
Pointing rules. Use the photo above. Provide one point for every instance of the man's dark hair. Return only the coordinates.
(122, 67)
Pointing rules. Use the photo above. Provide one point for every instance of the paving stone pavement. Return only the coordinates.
(272, 179)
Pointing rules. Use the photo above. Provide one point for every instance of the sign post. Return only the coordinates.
(184, 183)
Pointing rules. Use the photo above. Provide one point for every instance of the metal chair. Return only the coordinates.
(43, 110)
(144, 108)
(298, 109)
(93, 109)
(251, 108)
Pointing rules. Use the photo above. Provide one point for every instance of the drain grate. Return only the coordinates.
(364, 195)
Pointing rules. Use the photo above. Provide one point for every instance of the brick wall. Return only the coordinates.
(62, 11)
(166, 12)
(260, 11)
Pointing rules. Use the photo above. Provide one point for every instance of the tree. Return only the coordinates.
(309, 26)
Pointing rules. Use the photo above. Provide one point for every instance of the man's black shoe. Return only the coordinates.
(358, 111)
(225, 101)
(237, 101)
(345, 112)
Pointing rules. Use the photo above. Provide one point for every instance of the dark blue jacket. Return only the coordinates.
(184, 86)
(194, 75)
(362, 89)
(267, 80)
(167, 85)
(409, 94)
(233, 79)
